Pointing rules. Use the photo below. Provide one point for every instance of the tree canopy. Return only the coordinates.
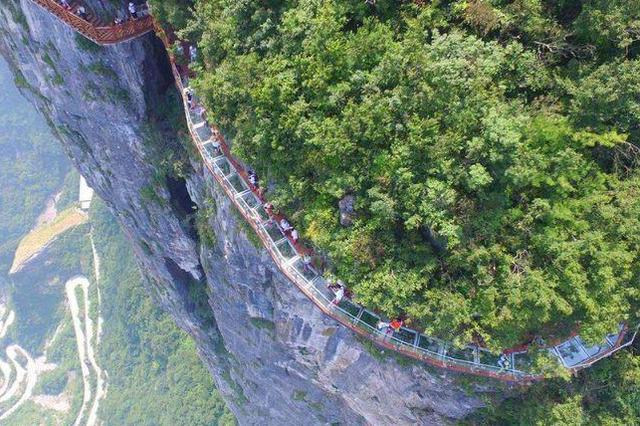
(491, 147)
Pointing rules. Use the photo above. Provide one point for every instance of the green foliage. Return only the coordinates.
(173, 12)
(103, 70)
(155, 376)
(31, 167)
(57, 79)
(87, 45)
(606, 394)
(149, 194)
(56, 382)
(263, 324)
(20, 81)
(205, 231)
(494, 179)
(119, 95)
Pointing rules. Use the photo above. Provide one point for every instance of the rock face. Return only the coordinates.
(347, 210)
(273, 355)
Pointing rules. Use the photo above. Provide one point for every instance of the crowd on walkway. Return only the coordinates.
(134, 11)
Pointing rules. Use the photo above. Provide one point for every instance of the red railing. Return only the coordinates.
(99, 34)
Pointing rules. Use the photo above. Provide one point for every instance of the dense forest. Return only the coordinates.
(155, 374)
(491, 148)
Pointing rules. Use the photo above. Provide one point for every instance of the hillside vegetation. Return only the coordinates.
(31, 167)
(491, 147)
(155, 374)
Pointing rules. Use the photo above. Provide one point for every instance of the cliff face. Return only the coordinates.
(274, 356)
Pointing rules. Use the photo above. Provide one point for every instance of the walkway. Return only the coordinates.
(85, 337)
(292, 259)
(95, 29)
(18, 376)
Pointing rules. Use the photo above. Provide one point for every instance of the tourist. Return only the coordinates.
(253, 178)
(132, 10)
(306, 263)
(285, 225)
(193, 53)
(294, 235)
(382, 325)
(339, 294)
(190, 100)
(395, 325)
(66, 4)
(503, 362)
(81, 12)
(118, 21)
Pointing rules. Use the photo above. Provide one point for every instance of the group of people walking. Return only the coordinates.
(135, 11)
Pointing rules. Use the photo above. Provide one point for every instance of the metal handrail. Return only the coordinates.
(100, 34)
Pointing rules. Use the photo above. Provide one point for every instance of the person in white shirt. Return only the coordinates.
(132, 10)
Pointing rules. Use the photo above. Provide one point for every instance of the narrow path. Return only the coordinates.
(101, 375)
(70, 288)
(18, 377)
(5, 369)
(29, 372)
(6, 323)
(26, 371)
(86, 351)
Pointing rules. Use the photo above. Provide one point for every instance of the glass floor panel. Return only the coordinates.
(286, 250)
(195, 115)
(306, 271)
(429, 344)
(262, 214)
(250, 201)
(237, 183)
(488, 358)
(466, 354)
(571, 353)
(595, 349)
(211, 150)
(273, 231)
(350, 307)
(405, 335)
(204, 132)
(370, 318)
(522, 361)
(224, 166)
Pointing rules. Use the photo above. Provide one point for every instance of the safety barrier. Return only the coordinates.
(100, 34)
(513, 366)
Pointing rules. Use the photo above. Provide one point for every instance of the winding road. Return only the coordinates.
(86, 352)
(19, 374)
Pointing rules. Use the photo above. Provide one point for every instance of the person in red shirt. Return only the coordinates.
(395, 325)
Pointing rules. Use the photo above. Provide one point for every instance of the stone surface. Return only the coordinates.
(274, 356)
(347, 210)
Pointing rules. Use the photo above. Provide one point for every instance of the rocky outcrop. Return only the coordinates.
(347, 210)
(274, 356)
